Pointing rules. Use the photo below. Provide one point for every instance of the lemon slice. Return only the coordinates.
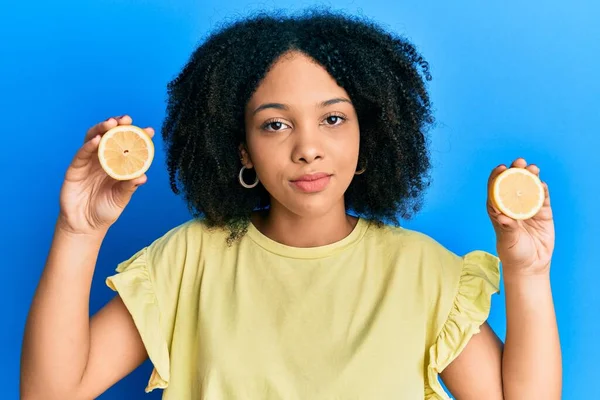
(125, 152)
(518, 193)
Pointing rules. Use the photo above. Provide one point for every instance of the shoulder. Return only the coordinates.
(166, 257)
(412, 244)
(191, 230)
(444, 276)
(424, 248)
(190, 235)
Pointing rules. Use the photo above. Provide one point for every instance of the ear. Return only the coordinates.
(245, 156)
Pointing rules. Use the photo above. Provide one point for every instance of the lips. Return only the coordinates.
(311, 177)
(312, 183)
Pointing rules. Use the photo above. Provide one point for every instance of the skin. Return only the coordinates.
(65, 353)
(302, 136)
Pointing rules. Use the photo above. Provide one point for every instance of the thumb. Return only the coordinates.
(507, 230)
(125, 189)
(86, 152)
(504, 224)
(501, 222)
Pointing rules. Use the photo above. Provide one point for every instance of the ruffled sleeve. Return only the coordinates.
(134, 285)
(479, 279)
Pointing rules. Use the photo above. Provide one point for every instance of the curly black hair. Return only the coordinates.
(383, 74)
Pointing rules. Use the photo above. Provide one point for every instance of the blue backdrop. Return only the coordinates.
(511, 79)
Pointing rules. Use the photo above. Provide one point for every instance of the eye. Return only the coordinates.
(333, 120)
(274, 126)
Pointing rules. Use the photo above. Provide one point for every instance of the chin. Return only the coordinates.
(310, 205)
(314, 207)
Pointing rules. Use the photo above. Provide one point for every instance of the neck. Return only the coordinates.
(283, 226)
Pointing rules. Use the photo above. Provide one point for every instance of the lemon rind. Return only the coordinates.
(505, 210)
(109, 171)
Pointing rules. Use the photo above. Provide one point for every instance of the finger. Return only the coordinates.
(546, 194)
(493, 175)
(86, 152)
(534, 169)
(519, 163)
(495, 172)
(139, 181)
(506, 223)
(100, 128)
(124, 120)
(500, 221)
(150, 131)
(125, 189)
(493, 211)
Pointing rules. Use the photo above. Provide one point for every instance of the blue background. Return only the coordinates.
(511, 79)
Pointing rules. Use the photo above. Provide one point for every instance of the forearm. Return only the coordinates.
(531, 364)
(56, 340)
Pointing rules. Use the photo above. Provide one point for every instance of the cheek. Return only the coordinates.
(268, 161)
(347, 147)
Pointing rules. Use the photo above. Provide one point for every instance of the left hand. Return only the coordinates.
(524, 246)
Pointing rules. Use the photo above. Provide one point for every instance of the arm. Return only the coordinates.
(530, 365)
(477, 372)
(66, 355)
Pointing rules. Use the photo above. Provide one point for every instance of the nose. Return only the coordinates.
(307, 146)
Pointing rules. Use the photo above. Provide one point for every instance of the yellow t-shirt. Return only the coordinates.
(376, 315)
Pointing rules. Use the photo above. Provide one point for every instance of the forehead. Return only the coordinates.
(295, 79)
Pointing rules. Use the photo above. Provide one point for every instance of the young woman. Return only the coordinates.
(298, 143)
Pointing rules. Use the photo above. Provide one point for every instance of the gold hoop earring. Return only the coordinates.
(241, 179)
(361, 171)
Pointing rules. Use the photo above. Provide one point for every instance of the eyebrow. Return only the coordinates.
(280, 106)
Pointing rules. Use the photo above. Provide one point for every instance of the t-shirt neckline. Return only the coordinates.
(308, 252)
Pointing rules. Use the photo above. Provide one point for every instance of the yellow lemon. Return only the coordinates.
(125, 152)
(517, 193)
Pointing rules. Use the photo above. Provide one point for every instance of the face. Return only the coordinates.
(302, 137)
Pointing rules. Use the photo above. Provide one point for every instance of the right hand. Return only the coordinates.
(90, 200)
